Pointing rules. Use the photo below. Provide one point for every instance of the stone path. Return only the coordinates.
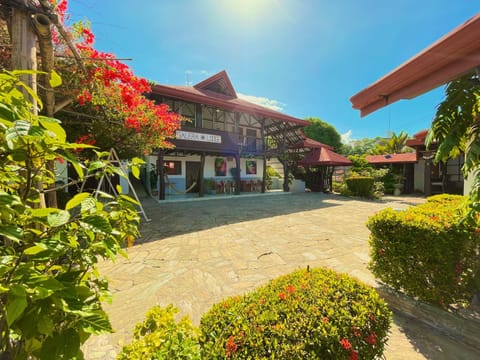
(193, 254)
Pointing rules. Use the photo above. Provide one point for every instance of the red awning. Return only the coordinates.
(454, 54)
(324, 156)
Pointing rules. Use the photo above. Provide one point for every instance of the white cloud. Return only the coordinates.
(263, 101)
(347, 137)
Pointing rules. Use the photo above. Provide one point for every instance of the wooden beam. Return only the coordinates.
(161, 175)
(202, 168)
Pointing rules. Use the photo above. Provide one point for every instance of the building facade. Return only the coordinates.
(223, 143)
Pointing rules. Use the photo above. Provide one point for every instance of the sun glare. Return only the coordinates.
(250, 9)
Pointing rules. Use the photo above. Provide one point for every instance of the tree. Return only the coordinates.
(456, 128)
(361, 147)
(50, 290)
(396, 144)
(100, 97)
(323, 132)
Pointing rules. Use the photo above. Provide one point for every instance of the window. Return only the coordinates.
(173, 167)
(208, 115)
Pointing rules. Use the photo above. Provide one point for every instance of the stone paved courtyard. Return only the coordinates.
(193, 254)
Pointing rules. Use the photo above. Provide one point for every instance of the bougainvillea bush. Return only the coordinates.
(308, 314)
(427, 251)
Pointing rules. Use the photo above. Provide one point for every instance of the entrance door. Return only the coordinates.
(192, 176)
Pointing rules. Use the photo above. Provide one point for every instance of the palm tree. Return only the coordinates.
(396, 144)
(456, 127)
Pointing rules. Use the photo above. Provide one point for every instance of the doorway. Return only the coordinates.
(192, 173)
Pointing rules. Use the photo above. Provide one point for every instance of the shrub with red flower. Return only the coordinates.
(345, 344)
(230, 347)
(371, 339)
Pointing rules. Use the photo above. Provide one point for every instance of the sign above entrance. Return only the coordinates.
(194, 136)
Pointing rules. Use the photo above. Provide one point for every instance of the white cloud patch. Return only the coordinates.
(347, 137)
(263, 101)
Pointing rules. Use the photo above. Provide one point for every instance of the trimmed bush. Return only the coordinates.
(361, 185)
(309, 314)
(427, 251)
(161, 337)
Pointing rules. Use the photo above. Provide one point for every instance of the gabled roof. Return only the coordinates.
(392, 159)
(216, 91)
(324, 156)
(418, 139)
(306, 142)
(454, 54)
(219, 83)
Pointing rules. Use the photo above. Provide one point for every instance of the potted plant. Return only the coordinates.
(397, 184)
(209, 186)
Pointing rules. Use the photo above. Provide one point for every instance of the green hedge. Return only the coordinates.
(161, 337)
(427, 251)
(309, 314)
(361, 185)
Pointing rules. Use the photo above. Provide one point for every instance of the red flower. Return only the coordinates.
(325, 320)
(290, 289)
(371, 339)
(282, 295)
(230, 347)
(345, 344)
(353, 355)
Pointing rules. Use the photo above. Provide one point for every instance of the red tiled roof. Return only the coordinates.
(202, 94)
(324, 156)
(418, 139)
(454, 54)
(306, 142)
(392, 158)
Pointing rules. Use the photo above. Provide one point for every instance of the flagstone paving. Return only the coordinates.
(193, 254)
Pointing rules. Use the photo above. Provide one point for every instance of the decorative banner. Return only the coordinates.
(194, 136)
(220, 167)
(251, 167)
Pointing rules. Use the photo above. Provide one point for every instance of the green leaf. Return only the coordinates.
(45, 325)
(55, 79)
(97, 323)
(37, 248)
(17, 303)
(76, 200)
(12, 232)
(43, 212)
(136, 172)
(95, 165)
(54, 126)
(98, 222)
(88, 204)
(58, 219)
(75, 163)
(8, 199)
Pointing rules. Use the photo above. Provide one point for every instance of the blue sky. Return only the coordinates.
(304, 57)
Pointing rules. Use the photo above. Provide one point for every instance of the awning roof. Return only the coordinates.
(392, 159)
(454, 54)
(324, 156)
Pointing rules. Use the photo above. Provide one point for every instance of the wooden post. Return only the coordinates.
(201, 186)
(427, 184)
(237, 174)
(161, 175)
(24, 49)
(264, 157)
